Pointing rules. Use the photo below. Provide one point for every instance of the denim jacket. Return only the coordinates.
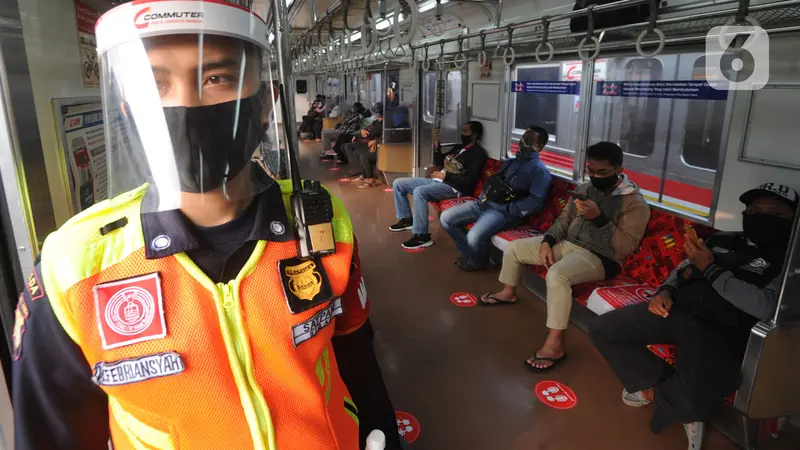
(525, 172)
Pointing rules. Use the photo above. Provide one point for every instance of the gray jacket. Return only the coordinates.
(615, 233)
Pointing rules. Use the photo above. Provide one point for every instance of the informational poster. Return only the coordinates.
(84, 148)
(86, 17)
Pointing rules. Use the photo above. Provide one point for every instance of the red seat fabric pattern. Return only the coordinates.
(662, 248)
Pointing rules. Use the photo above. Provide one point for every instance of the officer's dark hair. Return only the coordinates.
(605, 151)
(541, 133)
(477, 129)
(358, 106)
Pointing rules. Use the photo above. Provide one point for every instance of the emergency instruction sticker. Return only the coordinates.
(134, 370)
(308, 329)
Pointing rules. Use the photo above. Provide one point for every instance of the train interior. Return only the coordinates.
(692, 142)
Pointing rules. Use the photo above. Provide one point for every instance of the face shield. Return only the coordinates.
(187, 101)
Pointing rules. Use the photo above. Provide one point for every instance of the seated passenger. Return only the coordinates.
(350, 121)
(305, 129)
(516, 191)
(706, 308)
(364, 150)
(347, 137)
(453, 175)
(589, 241)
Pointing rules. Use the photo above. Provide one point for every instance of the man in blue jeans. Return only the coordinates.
(516, 191)
(454, 174)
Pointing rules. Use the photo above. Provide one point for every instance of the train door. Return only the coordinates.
(442, 103)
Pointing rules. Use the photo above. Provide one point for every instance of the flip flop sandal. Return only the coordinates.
(497, 302)
(554, 361)
(365, 185)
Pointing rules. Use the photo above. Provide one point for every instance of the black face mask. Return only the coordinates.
(604, 184)
(208, 150)
(766, 230)
(466, 140)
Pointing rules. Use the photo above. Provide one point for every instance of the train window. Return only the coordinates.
(701, 143)
(376, 89)
(539, 109)
(640, 114)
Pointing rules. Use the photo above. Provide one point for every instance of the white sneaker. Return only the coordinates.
(695, 432)
(635, 399)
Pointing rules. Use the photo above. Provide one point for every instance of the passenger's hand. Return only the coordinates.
(660, 304)
(438, 175)
(699, 255)
(546, 255)
(587, 208)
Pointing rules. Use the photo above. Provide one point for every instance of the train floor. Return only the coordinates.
(460, 371)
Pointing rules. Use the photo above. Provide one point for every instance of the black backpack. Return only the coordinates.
(614, 18)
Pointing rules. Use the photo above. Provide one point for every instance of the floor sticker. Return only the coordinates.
(556, 395)
(334, 168)
(463, 299)
(431, 218)
(388, 190)
(407, 426)
(414, 250)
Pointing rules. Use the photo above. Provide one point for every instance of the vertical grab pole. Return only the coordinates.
(284, 58)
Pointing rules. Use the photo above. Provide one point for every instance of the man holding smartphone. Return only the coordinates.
(706, 308)
(601, 225)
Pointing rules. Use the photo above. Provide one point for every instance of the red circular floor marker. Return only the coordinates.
(414, 250)
(407, 426)
(334, 168)
(463, 299)
(555, 395)
(388, 190)
(431, 218)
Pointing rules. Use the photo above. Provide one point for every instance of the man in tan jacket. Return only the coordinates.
(602, 224)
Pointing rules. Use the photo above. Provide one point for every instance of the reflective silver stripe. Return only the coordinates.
(308, 329)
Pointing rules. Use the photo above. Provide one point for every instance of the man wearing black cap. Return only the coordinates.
(706, 308)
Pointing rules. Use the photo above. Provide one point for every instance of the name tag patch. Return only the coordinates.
(144, 368)
(130, 311)
(308, 329)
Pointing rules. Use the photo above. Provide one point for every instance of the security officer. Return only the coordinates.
(177, 314)
(706, 307)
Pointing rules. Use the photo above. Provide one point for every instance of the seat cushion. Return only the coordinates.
(604, 299)
(557, 199)
(662, 248)
(501, 239)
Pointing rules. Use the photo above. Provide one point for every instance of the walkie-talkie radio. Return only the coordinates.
(312, 208)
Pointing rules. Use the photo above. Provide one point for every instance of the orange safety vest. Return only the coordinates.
(190, 364)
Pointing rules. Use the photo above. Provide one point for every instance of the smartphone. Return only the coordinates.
(578, 196)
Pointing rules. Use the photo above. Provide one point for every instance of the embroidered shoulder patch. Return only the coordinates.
(134, 370)
(130, 311)
(308, 329)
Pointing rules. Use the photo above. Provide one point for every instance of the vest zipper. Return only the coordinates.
(236, 335)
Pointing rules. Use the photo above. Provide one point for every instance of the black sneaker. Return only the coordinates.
(341, 162)
(418, 241)
(402, 225)
(327, 158)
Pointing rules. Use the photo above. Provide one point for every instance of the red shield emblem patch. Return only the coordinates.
(130, 311)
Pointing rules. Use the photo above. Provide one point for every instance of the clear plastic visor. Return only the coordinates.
(185, 115)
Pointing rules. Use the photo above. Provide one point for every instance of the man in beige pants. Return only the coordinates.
(602, 224)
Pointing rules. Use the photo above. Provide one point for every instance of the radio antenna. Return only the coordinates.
(297, 180)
